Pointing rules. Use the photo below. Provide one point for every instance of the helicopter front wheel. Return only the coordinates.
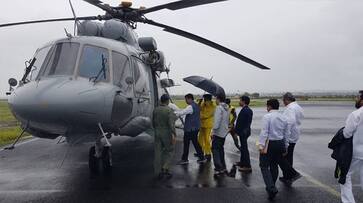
(101, 164)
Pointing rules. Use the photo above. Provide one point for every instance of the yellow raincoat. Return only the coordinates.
(206, 119)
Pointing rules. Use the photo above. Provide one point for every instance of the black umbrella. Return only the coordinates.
(205, 84)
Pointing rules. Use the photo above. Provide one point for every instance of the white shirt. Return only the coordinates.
(186, 111)
(354, 127)
(294, 115)
(174, 107)
(274, 127)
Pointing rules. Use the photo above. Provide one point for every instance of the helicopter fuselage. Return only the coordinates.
(79, 82)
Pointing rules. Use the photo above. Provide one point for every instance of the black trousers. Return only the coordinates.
(290, 153)
(245, 160)
(193, 137)
(290, 156)
(269, 164)
(218, 153)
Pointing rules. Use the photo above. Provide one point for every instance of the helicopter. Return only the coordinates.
(103, 82)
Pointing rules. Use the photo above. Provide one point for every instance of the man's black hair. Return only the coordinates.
(221, 97)
(189, 96)
(245, 99)
(164, 98)
(228, 101)
(274, 103)
(207, 97)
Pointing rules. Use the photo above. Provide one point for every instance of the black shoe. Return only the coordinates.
(272, 194)
(245, 169)
(296, 177)
(286, 181)
(183, 162)
(167, 175)
(218, 173)
(232, 172)
(201, 160)
(160, 176)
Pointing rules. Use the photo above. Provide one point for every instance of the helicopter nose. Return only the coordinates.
(58, 104)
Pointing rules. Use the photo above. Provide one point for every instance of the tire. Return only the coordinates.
(107, 160)
(93, 161)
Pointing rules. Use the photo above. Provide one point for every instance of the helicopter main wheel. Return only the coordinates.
(93, 161)
(107, 160)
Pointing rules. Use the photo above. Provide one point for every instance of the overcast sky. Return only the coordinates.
(310, 45)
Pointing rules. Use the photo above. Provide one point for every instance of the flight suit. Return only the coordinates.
(164, 127)
(206, 117)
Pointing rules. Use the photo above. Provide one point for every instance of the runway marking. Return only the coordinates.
(309, 178)
(21, 143)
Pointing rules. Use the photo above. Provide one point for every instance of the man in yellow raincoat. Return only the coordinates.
(207, 108)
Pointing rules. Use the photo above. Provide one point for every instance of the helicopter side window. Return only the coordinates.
(94, 63)
(142, 79)
(121, 71)
(63, 59)
(39, 56)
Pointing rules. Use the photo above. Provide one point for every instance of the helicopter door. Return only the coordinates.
(143, 91)
(122, 78)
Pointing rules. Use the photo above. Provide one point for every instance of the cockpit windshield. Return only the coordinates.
(61, 60)
(94, 63)
(39, 58)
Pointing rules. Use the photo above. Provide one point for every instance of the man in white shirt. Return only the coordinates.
(294, 115)
(354, 128)
(273, 146)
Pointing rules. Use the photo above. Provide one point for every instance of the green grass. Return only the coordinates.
(9, 126)
(6, 117)
(9, 134)
(253, 103)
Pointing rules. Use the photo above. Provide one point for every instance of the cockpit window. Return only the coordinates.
(121, 71)
(63, 59)
(39, 57)
(94, 63)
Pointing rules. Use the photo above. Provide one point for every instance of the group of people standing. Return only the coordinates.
(206, 126)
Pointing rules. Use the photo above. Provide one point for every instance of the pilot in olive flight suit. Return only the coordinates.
(164, 128)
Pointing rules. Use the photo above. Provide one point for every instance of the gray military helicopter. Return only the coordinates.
(101, 83)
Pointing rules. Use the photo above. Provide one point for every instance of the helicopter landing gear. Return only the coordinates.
(100, 155)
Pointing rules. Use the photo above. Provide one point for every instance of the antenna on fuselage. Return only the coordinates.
(75, 18)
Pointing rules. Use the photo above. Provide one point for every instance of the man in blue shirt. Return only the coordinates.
(191, 129)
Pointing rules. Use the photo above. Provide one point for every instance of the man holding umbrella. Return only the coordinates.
(192, 112)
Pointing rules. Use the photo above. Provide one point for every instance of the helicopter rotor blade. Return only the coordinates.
(51, 20)
(179, 5)
(207, 42)
(101, 5)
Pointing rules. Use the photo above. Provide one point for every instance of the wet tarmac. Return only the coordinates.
(41, 170)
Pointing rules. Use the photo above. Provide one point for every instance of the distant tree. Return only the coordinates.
(255, 95)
